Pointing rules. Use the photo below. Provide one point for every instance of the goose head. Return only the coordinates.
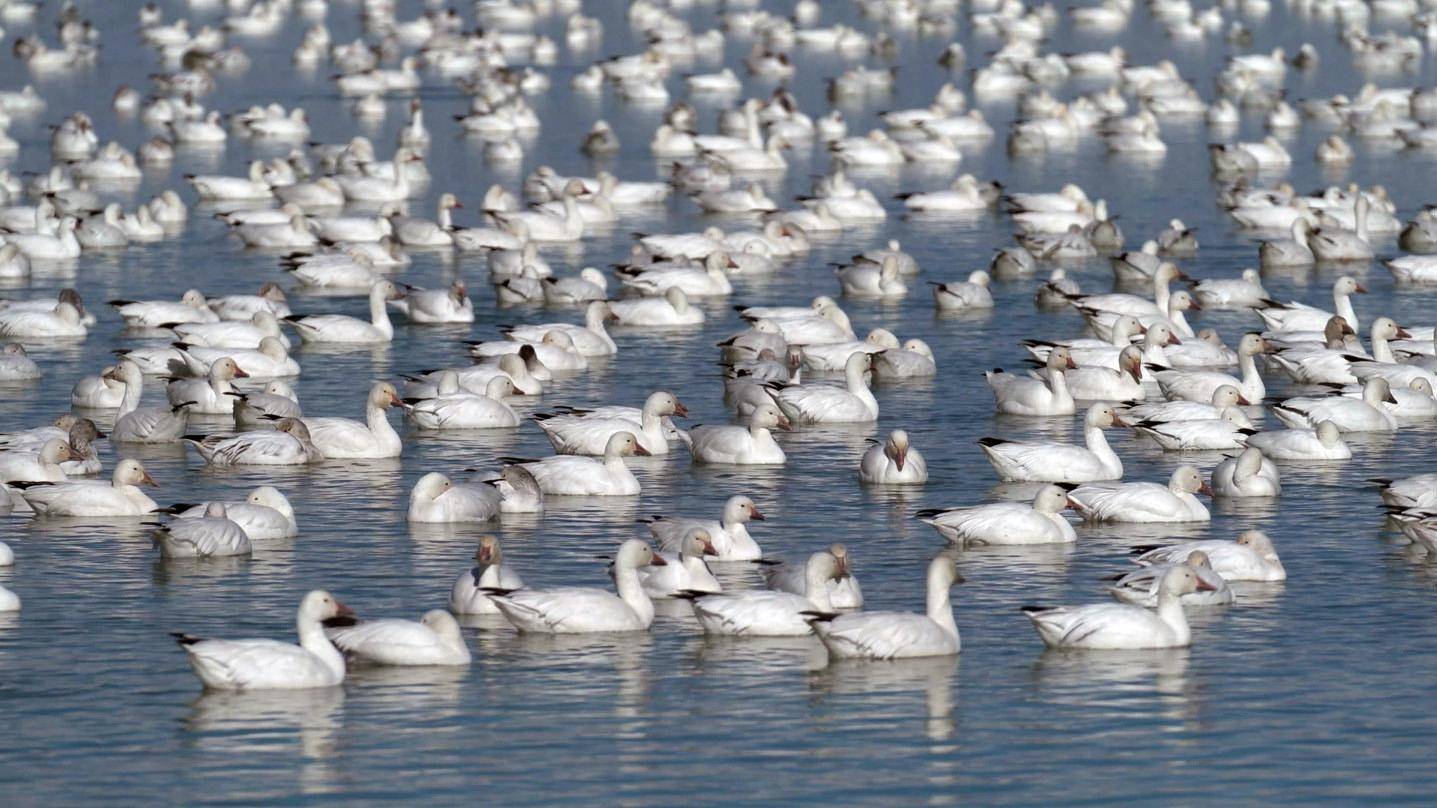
(768, 416)
(1050, 499)
(663, 402)
(57, 450)
(1226, 396)
(1328, 433)
(383, 395)
(1384, 328)
(1160, 334)
(132, 472)
(1258, 542)
(1103, 416)
(1377, 390)
(499, 388)
(740, 509)
(1187, 479)
(1060, 358)
(1253, 344)
(896, 447)
(622, 444)
(1337, 330)
(1130, 361)
(636, 553)
(698, 544)
(1181, 580)
(430, 487)
(225, 369)
(882, 337)
(269, 497)
(1348, 285)
(318, 605)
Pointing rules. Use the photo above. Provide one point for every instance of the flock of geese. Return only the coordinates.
(336, 215)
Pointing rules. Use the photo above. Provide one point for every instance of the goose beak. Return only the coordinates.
(784, 423)
(641, 451)
(146, 479)
(1072, 503)
(842, 569)
(1242, 399)
(340, 610)
(1403, 333)
(1361, 290)
(658, 561)
(1173, 340)
(1205, 488)
(1118, 420)
(709, 549)
(1071, 364)
(900, 457)
(1204, 586)
(1136, 371)
(757, 515)
(396, 401)
(241, 374)
(680, 410)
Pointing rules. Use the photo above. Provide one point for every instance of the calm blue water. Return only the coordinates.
(1303, 692)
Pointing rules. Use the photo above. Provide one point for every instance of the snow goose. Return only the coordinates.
(1087, 351)
(553, 355)
(216, 188)
(544, 226)
(134, 424)
(343, 438)
(684, 571)
(211, 395)
(1414, 400)
(579, 610)
(264, 514)
(964, 295)
(1366, 414)
(1340, 246)
(1250, 558)
(589, 339)
(92, 498)
(454, 407)
(1327, 363)
(489, 572)
(1250, 474)
(340, 328)
(1144, 501)
(270, 359)
(106, 391)
(587, 431)
(435, 639)
(1324, 442)
(270, 298)
(1134, 305)
(1022, 395)
(1410, 269)
(893, 462)
(1416, 492)
(767, 613)
(867, 280)
(1229, 430)
(824, 323)
(834, 356)
(451, 305)
(1193, 385)
(1121, 626)
(843, 592)
(288, 444)
(912, 360)
(1123, 383)
(60, 245)
(268, 664)
(1017, 461)
(710, 279)
(569, 475)
(1140, 587)
(1006, 523)
(1223, 397)
(436, 499)
(589, 285)
(412, 232)
(1231, 293)
(255, 409)
(38, 466)
(897, 635)
(739, 445)
(671, 310)
(852, 403)
(210, 536)
(1294, 251)
(16, 366)
(231, 334)
(64, 321)
(1296, 316)
(729, 534)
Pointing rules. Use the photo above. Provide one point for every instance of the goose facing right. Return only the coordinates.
(269, 664)
(1018, 461)
(435, 639)
(581, 610)
(1121, 626)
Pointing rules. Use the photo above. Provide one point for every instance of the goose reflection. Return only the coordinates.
(936, 678)
(1117, 681)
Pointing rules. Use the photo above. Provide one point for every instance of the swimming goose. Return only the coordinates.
(1294, 251)
(340, 328)
(269, 360)
(288, 444)
(1414, 400)
(1006, 523)
(835, 356)
(1366, 414)
(227, 189)
(454, 407)
(230, 334)
(1296, 316)
(450, 305)
(964, 295)
(1143, 501)
(106, 391)
(866, 280)
(1231, 293)
(1250, 558)
(684, 571)
(852, 403)
(1140, 587)
(671, 310)
(897, 635)
(587, 431)
(413, 232)
(210, 396)
(435, 639)
(489, 572)
(893, 462)
(1323, 442)
(61, 245)
(42, 465)
(268, 664)
(1022, 395)
(729, 534)
(1250, 474)
(92, 498)
(589, 339)
(767, 613)
(149, 424)
(709, 279)
(265, 514)
(16, 366)
(1134, 305)
(1121, 626)
(343, 438)
(912, 360)
(1123, 383)
(270, 298)
(1199, 386)
(260, 409)
(1328, 363)
(843, 592)
(1018, 461)
(579, 610)
(569, 475)
(589, 285)
(544, 226)
(1229, 430)
(210, 536)
(739, 445)
(1334, 245)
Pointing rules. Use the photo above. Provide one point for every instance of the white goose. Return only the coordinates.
(343, 438)
(867, 280)
(1017, 461)
(1296, 316)
(288, 444)
(893, 462)
(489, 572)
(684, 571)
(843, 592)
(212, 395)
(580, 610)
(450, 305)
(268, 664)
(265, 514)
(1006, 523)
(1341, 246)
(729, 534)
(569, 475)
(671, 310)
(1229, 430)
(64, 321)
(1199, 386)
(342, 328)
(1250, 474)
(587, 432)
(1024, 395)
(852, 403)
(1121, 626)
(210, 536)
(766, 613)
(1366, 414)
(1140, 587)
(589, 339)
(964, 295)
(191, 308)
(234, 334)
(21, 465)
(897, 635)
(255, 409)
(739, 445)
(93, 498)
(435, 640)
(1143, 501)
(1250, 558)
